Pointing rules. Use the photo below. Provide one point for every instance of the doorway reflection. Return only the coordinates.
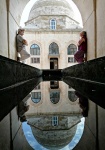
(54, 119)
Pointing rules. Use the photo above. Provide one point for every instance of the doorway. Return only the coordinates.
(54, 65)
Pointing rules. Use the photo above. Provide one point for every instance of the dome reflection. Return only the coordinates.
(50, 139)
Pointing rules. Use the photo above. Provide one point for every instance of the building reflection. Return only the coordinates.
(53, 114)
(54, 132)
(45, 100)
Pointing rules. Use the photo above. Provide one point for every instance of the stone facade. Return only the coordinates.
(37, 31)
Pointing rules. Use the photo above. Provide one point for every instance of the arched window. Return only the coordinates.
(53, 24)
(71, 49)
(36, 97)
(53, 48)
(54, 97)
(35, 49)
(71, 95)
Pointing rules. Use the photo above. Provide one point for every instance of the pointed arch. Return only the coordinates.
(53, 48)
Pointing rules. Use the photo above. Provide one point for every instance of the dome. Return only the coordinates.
(52, 14)
(51, 7)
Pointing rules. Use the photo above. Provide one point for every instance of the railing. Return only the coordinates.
(17, 80)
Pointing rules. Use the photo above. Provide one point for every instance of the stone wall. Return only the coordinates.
(3, 29)
(44, 38)
(92, 13)
(87, 11)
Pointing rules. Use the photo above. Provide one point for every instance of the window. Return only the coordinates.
(55, 121)
(54, 97)
(71, 95)
(71, 60)
(35, 49)
(71, 49)
(35, 60)
(53, 24)
(53, 48)
(36, 97)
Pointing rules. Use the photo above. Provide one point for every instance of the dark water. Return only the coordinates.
(57, 129)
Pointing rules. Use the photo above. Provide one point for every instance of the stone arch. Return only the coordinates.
(35, 42)
(88, 13)
(53, 48)
(54, 41)
(83, 6)
(71, 42)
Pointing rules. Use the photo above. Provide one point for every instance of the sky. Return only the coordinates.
(29, 5)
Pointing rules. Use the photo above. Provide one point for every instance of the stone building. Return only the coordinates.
(52, 33)
(92, 13)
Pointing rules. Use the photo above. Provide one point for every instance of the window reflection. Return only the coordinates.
(36, 97)
(54, 97)
(55, 121)
(54, 84)
(72, 96)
